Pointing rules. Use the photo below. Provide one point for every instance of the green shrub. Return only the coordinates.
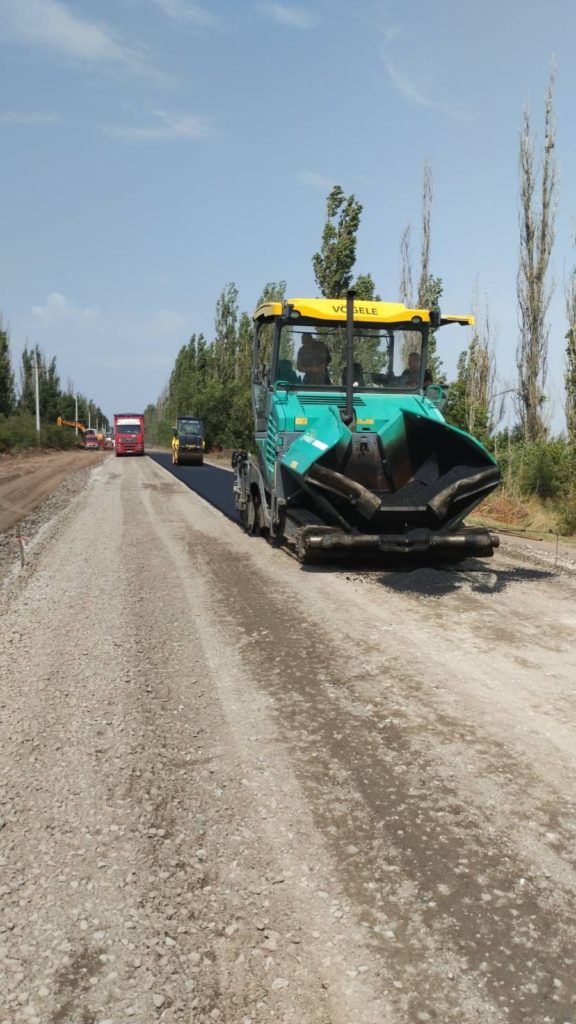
(19, 432)
(544, 468)
(541, 470)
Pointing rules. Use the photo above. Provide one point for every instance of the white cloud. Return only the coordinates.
(53, 26)
(167, 323)
(23, 117)
(421, 93)
(293, 17)
(59, 316)
(392, 32)
(187, 13)
(315, 180)
(58, 310)
(89, 342)
(170, 126)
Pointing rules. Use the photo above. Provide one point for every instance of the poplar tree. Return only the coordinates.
(365, 288)
(27, 398)
(244, 353)
(472, 402)
(273, 291)
(50, 393)
(7, 395)
(430, 287)
(182, 379)
(570, 379)
(424, 280)
(568, 518)
(226, 325)
(406, 281)
(537, 227)
(334, 263)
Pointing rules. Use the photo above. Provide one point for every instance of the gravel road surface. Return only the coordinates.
(238, 790)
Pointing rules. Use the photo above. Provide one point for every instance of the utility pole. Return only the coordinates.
(76, 413)
(37, 389)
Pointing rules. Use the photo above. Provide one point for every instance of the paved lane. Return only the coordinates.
(210, 482)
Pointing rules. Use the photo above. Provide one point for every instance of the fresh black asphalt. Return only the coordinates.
(211, 483)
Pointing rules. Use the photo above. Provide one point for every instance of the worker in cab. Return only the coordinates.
(313, 360)
(410, 376)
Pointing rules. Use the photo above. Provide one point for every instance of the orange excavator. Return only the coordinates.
(70, 423)
(91, 438)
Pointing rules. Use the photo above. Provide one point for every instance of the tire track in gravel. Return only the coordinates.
(234, 802)
(439, 883)
(236, 602)
(269, 827)
(86, 737)
(139, 880)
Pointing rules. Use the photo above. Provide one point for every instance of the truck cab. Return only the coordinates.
(129, 433)
(91, 439)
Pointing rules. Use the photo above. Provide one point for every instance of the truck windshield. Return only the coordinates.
(384, 358)
(128, 428)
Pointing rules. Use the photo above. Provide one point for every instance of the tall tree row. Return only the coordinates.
(211, 380)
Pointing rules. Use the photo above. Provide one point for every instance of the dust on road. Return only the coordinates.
(238, 790)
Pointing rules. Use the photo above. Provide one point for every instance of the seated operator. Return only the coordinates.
(313, 360)
(410, 376)
(306, 343)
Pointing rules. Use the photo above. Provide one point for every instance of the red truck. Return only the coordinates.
(91, 439)
(129, 433)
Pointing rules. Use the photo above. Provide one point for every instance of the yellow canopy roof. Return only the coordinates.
(365, 311)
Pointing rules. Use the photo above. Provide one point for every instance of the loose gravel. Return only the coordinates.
(236, 790)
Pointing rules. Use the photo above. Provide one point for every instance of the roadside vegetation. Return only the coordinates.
(18, 402)
(18, 432)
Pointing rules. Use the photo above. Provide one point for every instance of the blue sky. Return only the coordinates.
(154, 150)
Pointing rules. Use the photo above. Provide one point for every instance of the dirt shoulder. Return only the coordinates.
(34, 488)
(28, 477)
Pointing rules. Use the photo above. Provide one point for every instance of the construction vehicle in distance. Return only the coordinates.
(129, 433)
(90, 438)
(79, 427)
(70, 423)
(353, 453)
(188, 442)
